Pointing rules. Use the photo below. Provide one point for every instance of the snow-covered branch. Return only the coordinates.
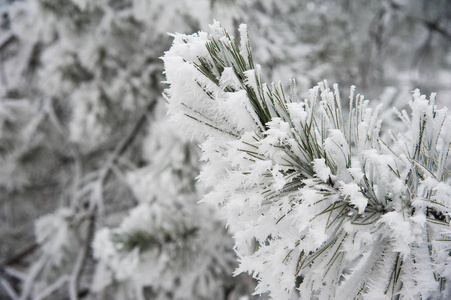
(317, 200)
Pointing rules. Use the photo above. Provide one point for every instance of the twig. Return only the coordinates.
(15, 273)
(96, 203)
(120, 150)
(81, 259)
(78, 166)
(9, 289)
(52, 288)
(19, 256)
(7, 40)
(136, 129)
(13, 260)
(434, 26)
(34, 272)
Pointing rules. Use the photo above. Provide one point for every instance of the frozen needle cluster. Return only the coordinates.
(318, 202)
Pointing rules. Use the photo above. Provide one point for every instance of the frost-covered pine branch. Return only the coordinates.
(318, 202)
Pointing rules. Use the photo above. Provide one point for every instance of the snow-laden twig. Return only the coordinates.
(81, 258)
(32, 274)
(20, 255)
(58, 284)
(16, 273)
(124, 144)
(8, 288)
(7, 39)
(75, 153)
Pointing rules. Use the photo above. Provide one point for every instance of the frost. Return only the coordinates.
(279, 181)
(352, 190)
(321, 170)
(297, 113)
(324, 201)
(313, 192)
(54, 233)
(229, 79)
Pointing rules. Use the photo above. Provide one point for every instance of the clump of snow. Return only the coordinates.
(321, 170)
(55, 235)
(352, 190)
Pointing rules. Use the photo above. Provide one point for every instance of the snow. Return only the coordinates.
(313, 181)
(352, 190)
(321, 170)
(348, 200)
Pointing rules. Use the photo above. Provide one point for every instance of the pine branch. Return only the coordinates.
(145, 240)
(300, 165)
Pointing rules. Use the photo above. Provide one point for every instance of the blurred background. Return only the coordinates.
(98, 196)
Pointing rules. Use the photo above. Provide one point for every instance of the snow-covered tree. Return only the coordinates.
(88, 160)
(88, 157)
(322, 201)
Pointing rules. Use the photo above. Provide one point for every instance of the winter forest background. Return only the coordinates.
(305, 189)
